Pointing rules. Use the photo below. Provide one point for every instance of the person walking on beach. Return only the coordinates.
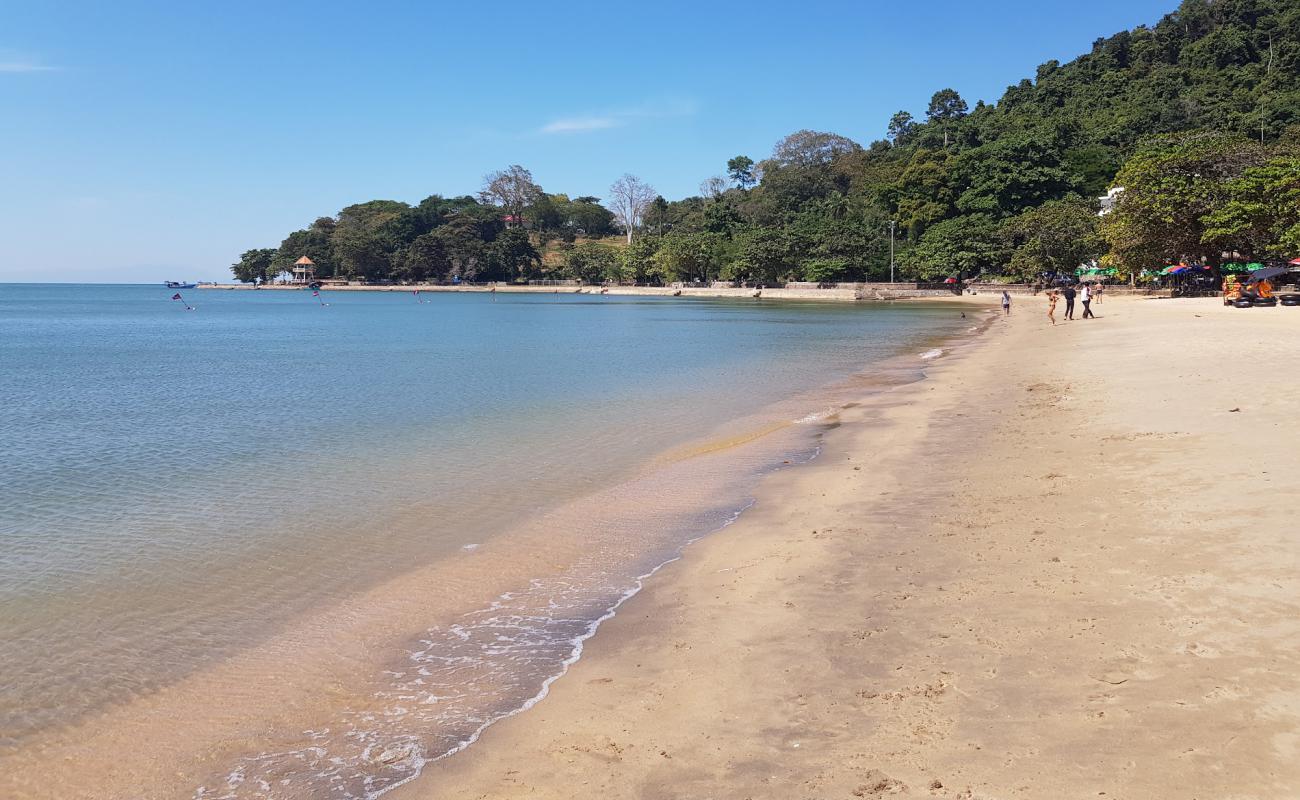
(1096, 292)
(1085, 297)
(1051, 306)
(1068, 292)
(1006, 303)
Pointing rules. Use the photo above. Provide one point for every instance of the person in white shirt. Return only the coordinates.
(1085, 297)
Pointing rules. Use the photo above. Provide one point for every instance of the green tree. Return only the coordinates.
(961, 246)
(313, 242)
(946, 107)
(690, 256)
(825, 270)
(639, 261)
(1055, 237)
(461, 239)
(1261, 214)
(1015, 172)
(847, 233)
(362, 240)
(741, 171)
(901, 126)
(586, 216)
(658, 216)
(513, 256)
(924, 193)
(1171, 186)
(425, 259)
(360, 254)
(763, 255)
(254, 266)
(592, 262)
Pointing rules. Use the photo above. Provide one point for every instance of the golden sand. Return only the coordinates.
(1064, 566)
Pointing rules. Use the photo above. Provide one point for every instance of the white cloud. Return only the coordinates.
(11, 61)
(579, 124)
(617, 118)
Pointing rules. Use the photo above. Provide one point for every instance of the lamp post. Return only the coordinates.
(892, 223)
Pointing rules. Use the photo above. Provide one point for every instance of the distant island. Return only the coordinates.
(1186, 134)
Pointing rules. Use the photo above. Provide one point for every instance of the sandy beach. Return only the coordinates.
(1064, 565)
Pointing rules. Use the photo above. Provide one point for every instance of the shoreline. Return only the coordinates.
(890, 292)
(1001, 610)
(854, 293)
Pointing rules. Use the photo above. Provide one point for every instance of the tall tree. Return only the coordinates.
(713, 187)
(658, 216)
(513, 190)
(946, 107)
(812, 149)
(741, 171)
(901, 126)
(630, 197)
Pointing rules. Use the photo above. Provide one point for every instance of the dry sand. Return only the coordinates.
(1064, 566)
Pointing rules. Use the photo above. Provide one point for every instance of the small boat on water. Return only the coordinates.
(178, 285)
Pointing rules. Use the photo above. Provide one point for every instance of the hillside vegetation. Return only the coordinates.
(1198, 117)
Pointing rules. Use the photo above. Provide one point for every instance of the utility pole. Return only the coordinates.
(892, 223)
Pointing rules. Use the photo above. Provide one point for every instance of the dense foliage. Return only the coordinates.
(1198, 117)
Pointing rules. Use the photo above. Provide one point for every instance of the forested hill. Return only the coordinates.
(1228, 65)
(1202, 110)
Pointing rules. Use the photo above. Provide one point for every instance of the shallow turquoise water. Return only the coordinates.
(175, 483)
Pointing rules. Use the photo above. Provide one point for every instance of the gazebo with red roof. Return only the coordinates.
(304, 270)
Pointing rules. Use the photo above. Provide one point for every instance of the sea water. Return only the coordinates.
(179, 488)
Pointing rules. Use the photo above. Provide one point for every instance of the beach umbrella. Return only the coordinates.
(1267, 272)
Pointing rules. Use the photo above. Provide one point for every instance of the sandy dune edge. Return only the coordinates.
(1064, 566)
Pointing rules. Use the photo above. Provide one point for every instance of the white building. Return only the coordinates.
(1108, 202)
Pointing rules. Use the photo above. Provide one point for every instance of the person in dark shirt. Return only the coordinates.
(1068, 294)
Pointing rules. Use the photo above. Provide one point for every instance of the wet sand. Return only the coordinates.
(1066, 565)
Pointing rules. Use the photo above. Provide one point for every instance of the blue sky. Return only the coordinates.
(151, 141)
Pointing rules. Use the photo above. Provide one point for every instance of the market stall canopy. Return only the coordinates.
(1179, 269)
(1267, 272)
